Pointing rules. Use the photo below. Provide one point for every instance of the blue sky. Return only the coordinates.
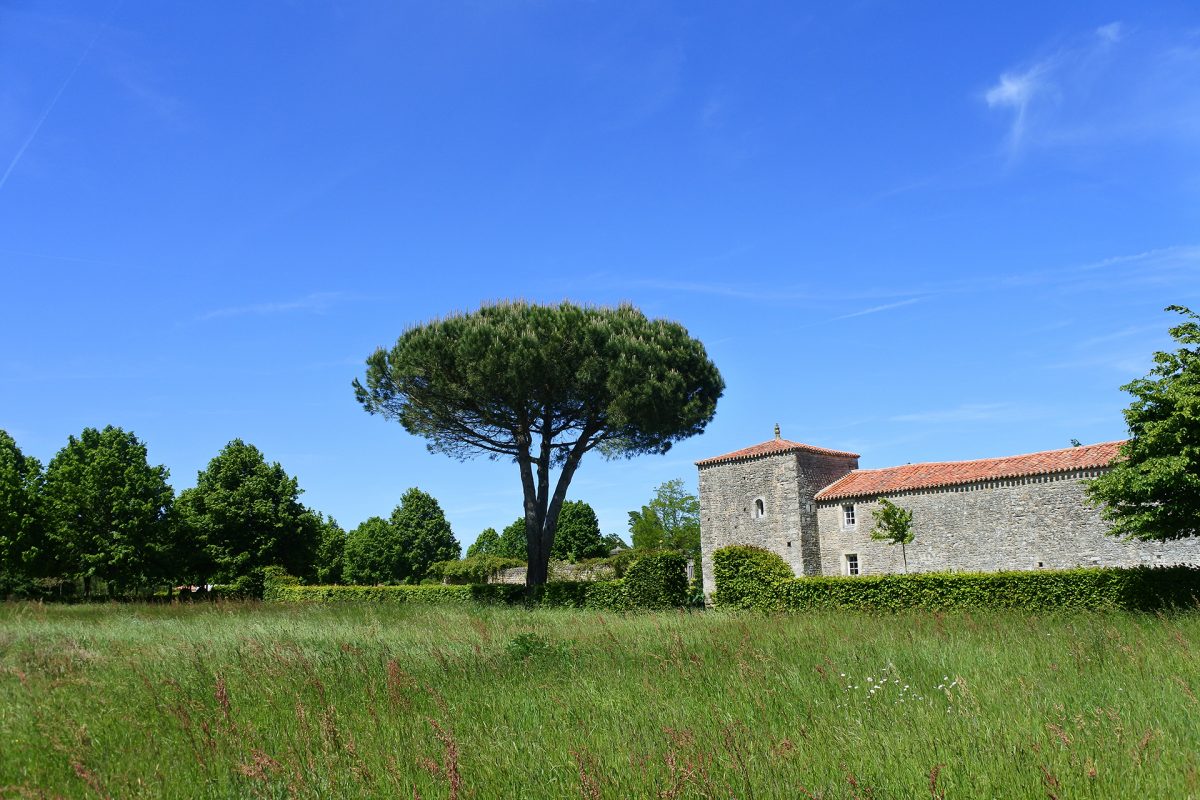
(914, 231)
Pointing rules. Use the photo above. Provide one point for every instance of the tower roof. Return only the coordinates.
(889, 480)
(771, 447)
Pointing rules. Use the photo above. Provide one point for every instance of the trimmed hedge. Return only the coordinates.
(601, 595)
(745, 576)
(750, 580)
(653, 582)
(657, 582)
(403, 593)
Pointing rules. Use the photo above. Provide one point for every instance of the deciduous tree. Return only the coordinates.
(646, 529)
(21, 546)
(671, 520)
(544, 386)
(330, 550)
(246, 515)
(424, 533)
(107, 511)
(893, 525)
(1153, 488)
(578, 536)
(513, 542)
(374, 554)
(486, 544)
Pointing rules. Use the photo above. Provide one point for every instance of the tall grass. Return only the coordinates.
(248, 700)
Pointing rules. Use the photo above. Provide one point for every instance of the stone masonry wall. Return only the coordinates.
(1020, 524)
(815, 471)
(785, 483)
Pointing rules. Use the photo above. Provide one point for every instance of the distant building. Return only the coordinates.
(812, 506)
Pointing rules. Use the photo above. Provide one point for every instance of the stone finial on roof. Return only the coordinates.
(777, 430)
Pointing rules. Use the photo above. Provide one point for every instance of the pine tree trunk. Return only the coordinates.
(536, 574)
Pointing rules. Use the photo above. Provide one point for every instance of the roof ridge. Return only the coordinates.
(769, 448)
(1073, 448)
(935, 474)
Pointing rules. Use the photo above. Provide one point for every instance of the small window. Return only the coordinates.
(851, 563)
(760, 509)
(848, 515)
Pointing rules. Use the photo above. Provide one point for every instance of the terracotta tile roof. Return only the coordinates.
(771, 448)
(871, 482)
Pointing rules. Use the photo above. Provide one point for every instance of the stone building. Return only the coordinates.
(813, 506)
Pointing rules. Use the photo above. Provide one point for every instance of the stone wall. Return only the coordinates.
(815, 473)
(1037, 522)
(559, 571)
(785, 483)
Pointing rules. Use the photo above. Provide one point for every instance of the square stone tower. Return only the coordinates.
(764, 496)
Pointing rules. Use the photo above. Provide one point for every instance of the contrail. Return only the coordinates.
(877, 309)
(62, 88)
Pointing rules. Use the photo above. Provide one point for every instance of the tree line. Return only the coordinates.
(100, 512)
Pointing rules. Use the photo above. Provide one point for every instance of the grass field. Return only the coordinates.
(249, 700)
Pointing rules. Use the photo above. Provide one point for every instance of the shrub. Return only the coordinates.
(658, 581)
(275, 578)
(247, 586)
(745, 580)
(747, 576)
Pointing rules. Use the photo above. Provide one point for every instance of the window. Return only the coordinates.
(848, 515)
(851, 563)
(760, 509)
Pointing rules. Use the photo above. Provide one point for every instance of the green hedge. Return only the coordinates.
(654, 582)
(422, 594)
(605, 595)
(752, 581)
(746, 576)
(657, 582)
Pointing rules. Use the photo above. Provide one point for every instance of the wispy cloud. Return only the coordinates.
(1108, 83)
(723, 290)
(317, 302)
(1125, 351)
(1016, 90)
(1176, 267)
(877, 309)
(766, 294)
(712, 112)
(970, 412)
(1124, 333)
(1112, 32)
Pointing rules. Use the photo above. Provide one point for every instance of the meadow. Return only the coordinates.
(276, 701)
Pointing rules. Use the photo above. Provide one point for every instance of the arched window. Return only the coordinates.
(760, 509)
